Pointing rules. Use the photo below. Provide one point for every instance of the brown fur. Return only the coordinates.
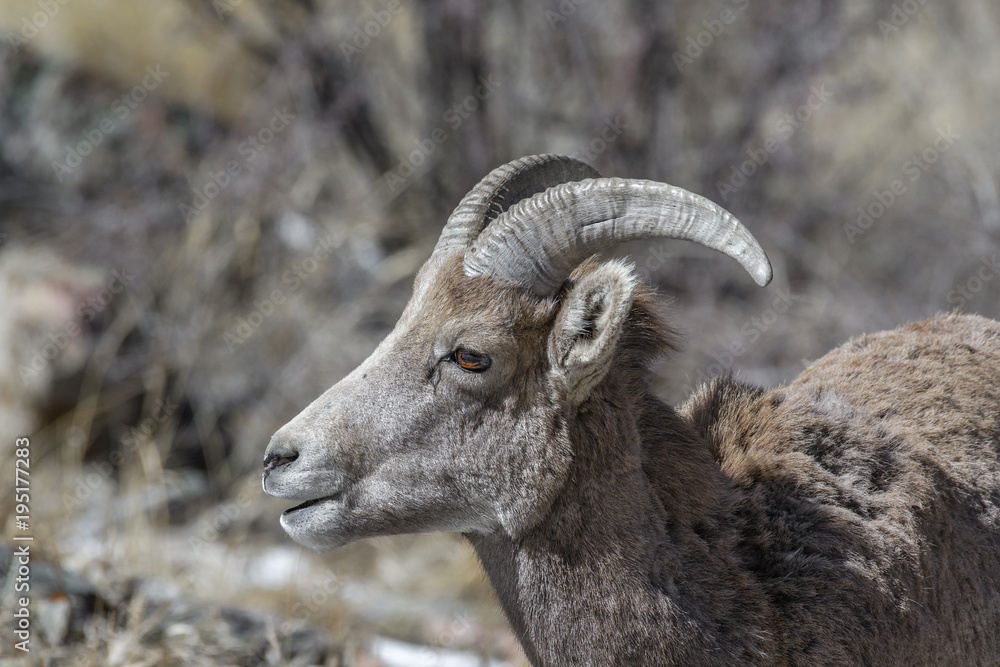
(852, 517)
(849, 518)
(871, 487)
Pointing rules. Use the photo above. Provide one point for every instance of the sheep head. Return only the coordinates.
(458, 419)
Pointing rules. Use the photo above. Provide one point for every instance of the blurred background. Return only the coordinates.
(210, 211)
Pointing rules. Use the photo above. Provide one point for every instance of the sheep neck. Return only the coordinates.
(622, 570)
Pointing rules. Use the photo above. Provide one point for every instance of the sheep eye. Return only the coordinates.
(471, 361)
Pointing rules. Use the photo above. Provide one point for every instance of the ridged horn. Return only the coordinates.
(502, 188)
(540, 240)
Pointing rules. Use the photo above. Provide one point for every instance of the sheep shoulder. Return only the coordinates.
(870, 489)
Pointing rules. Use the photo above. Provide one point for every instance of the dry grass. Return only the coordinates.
(227, 326)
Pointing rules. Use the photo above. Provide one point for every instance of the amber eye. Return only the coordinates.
(471, 361)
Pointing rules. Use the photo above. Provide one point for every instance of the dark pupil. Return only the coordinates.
(472, 361)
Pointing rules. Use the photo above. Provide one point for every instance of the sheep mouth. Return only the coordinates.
(310, 503)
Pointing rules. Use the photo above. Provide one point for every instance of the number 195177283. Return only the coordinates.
(22, 464)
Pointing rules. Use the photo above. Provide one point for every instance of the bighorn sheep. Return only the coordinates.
(849, 518)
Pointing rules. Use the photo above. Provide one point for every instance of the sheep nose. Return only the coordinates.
(279, 454)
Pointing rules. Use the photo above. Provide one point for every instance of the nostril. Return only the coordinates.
(274, 459)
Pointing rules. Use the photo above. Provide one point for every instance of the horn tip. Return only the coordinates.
(762, 273)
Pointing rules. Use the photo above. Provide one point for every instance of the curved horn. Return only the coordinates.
(539, 241)
(502, 188)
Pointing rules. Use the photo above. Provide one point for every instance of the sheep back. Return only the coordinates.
(870, 493)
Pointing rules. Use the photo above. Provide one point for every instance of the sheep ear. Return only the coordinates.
(583, 341)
